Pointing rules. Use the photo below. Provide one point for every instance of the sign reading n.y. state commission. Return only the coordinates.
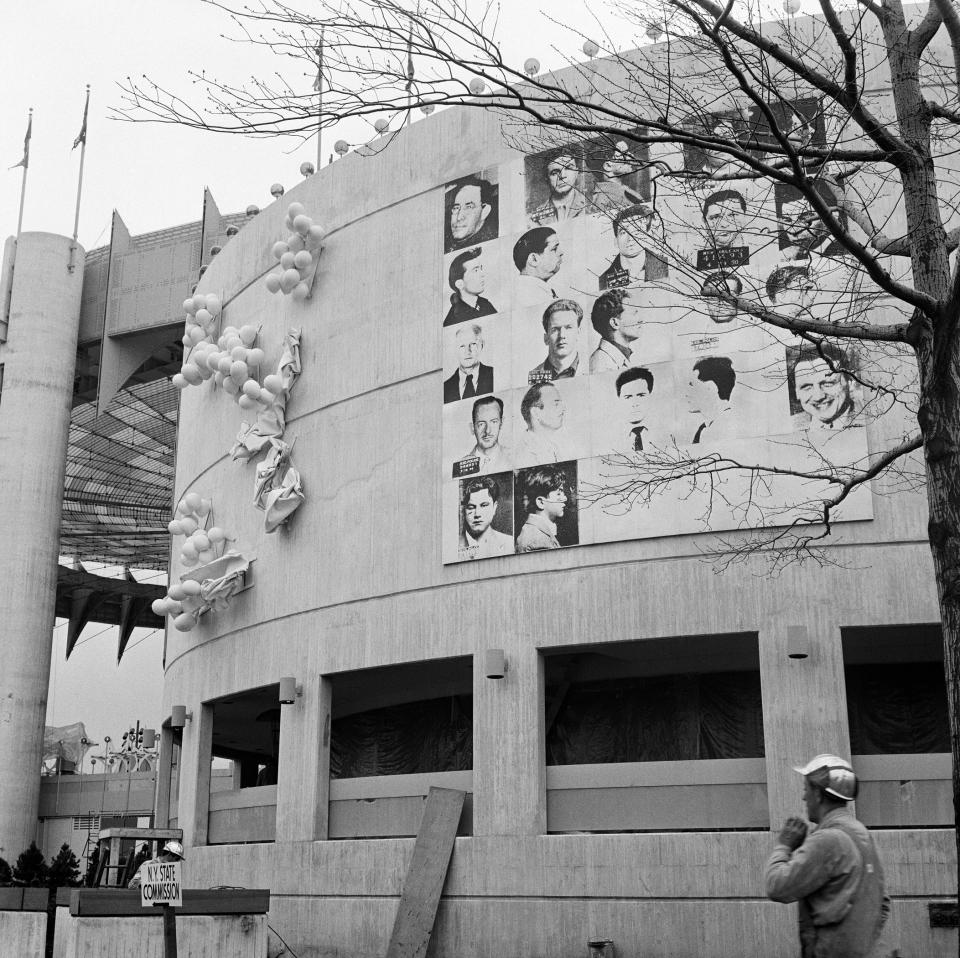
(162, 884)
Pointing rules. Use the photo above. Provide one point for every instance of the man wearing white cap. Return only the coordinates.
(172, 852)
(834, 871)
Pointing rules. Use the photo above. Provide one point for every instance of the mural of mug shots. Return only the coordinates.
(596, 324)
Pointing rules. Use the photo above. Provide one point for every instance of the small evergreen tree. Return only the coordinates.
(6, 876)
(30, 868)
(92, 863)
(64, 869)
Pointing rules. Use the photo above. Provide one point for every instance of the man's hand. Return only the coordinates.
(793, 833)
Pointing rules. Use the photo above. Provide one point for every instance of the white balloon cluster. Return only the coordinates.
(297, 254)
(201, 546)
(202, 312)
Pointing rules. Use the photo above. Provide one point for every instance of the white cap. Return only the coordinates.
(833, 774)
(174, 847)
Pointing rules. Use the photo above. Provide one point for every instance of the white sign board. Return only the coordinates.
(162, 884)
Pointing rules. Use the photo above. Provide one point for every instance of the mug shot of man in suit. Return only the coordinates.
(478, 502)
(472, 214)
(613, 193)
(723, 221)
(538, 257)
(487, 455)
(634, 385)
(719, 285)
(543, 410)
(468, 280)
(545, 501)
(617, 320)
(562, 170)
(561, 332)
(472, 377)
(708, 398)
(803, 233)
(638, 233)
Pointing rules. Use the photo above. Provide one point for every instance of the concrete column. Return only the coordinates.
(303, 785)
(804, 706)
(509, 777)
(38, 359)
(196, 755)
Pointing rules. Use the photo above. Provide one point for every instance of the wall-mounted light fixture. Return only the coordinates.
(495, 664)
(289, 690)
(179, 716)
(798, 642)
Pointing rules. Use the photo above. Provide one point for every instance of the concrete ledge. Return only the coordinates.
(123, 902)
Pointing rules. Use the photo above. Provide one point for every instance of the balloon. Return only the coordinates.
(302, 224)
(184, 622)
(200, 541)
(303, 260)
(190, 587)
(307, 168)
(274, 383)
(205, 506)
(208, 556)
(276, 190)
(158, 607)
(174, 527)
(287, 260)
(247, 402)
(248, 335)
(213, 360)
(191, 603)
(251, 388)
(301, 292)
(230, 387)
(191, 374)
(176, 592)
(188, 305)
(289, 280)
(188, 561)
(189, 525)
(272, 282)
(188, 549)
(295, 209)
(199, 302)
(192, 501)
(179, 381)
(224, 365)
(204, 316)
(218, 378)
(239, 352)
(279, 248)
(238, 372)
(296, 242)
(315, 235)
(255, 357)
(216, 534)
(266, 397)
(213, 304)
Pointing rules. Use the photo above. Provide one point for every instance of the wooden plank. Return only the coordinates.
(122, 902)
(427, 872)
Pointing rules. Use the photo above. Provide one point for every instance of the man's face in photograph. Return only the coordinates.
(551, 410)
(701, 395)
(796, 297)
(720, 310)
(554, 504)
(467, 213)
(824, 393)
(620, 163)
(801, 224)
(486, 425)
(478, 512)
(630, 321)
(724, 222)
(469, 346)
(633, 401)
(561, 336)
(562, 172)
(631, 235)
(474, 277)
(548, 262)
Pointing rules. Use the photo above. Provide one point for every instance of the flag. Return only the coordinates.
(25, 162)
(82, 135)
(318, 83)
(409, 85)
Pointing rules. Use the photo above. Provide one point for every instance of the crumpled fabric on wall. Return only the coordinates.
(278, 490)
(435, 735)
(216, 593)
(669, 718)
(271, 422)
(897, 709)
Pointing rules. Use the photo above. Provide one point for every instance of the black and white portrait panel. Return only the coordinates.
(823, 389)
(633, 410)
(558, 185)
(545, 507)
(471, 210)
(477, 436)
(475, 358)
(485, 514)
(552, 422)
(549, 343)
(620, 167)
(472, 284)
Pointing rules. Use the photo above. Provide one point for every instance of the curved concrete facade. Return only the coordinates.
(357, 582)
(37, 361)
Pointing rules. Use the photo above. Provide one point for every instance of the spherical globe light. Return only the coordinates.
(531, 66)
(232, 231)
(307, 168)
(477, 86)
(427, 109)
(277, 190)
(654, 32)
(252, 209)
(380, 125)
(341, 147)
(590, 48)
(791, 6)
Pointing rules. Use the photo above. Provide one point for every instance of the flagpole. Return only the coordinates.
(25, 163)
(82, 140)
(319, 52)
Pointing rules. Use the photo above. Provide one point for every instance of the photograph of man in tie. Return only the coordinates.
(471, 378)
